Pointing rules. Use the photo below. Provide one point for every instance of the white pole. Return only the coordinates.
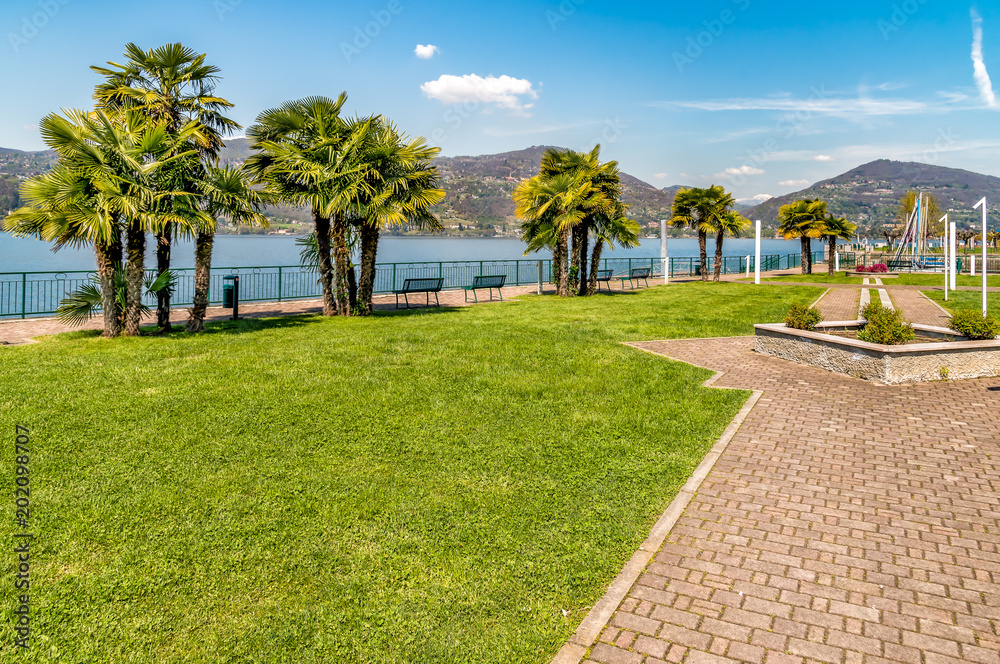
(663, 252)
(972, 265)
(983, 203)
(748, 266)
(756, 251)
(836, 261)
(944, 249)
(952, 249)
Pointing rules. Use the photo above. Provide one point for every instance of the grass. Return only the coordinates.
(435, 486)
(960, 300)
(815, 278)
(910, 279)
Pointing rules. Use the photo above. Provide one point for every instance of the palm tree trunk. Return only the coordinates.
(718, 256)
(163, 242)
(584, 241)
(577, 257)
(325, 266)
(109, 259)
(806, 255)
(366, 284)
(595, 265)
(341, 258)
(830, 261)
(202, 277)
(703, 252)
(135, 272)
(559, 261)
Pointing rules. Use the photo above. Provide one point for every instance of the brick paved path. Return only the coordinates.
(918, 309)
(840, 304)
(845, 523)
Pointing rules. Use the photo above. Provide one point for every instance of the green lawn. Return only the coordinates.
(938, 280)
(814, 278)
(436, 486)
(959, 300)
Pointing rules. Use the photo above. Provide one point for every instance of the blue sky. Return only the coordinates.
(763, 97)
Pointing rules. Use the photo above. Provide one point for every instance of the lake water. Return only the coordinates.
(29, 255)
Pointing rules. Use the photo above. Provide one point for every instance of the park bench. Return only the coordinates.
(427, 286)
(896, 265)
(489, 282)
(603, 277)
(634, 275)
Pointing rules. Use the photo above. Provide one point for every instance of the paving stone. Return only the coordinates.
(859, 520)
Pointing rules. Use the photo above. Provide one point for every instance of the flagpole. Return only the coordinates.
(983, 204)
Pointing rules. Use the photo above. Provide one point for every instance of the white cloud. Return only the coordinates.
(978, 66)
(31, 127)
(742, 170)
(660, 176)
(426, 52)
(503, 92)
(793, 183)
(822, 157)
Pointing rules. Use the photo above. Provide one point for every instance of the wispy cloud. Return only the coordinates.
(503, 92)
(660, 176)
(426, 52)
(822, 157)
(793, 183)
(843, 108)
(978, 66)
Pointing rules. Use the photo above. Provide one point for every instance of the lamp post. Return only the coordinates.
(947, 264)
(983, 204)
(756, 251)
(664, 256)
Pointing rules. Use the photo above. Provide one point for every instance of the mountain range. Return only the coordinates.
(479, 191)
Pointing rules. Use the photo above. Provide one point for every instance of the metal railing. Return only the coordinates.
(24, 294)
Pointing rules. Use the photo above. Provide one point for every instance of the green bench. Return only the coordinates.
(634, 275)
(603, 277)
(488, 282)
(427, 286)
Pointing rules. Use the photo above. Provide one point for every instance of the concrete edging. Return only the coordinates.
(574, 651)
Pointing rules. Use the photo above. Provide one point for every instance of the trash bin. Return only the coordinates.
(231, 294)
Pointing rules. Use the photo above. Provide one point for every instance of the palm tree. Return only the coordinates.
(700, 209)
(804, 220)
(306, 154)
(550, 206)
(101, 188)
(836, 228)
(402, 186)
(226, 192)
(728, 223)
(172, 86)
(593, 202)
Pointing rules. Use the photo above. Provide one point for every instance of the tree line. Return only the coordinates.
(145, 159)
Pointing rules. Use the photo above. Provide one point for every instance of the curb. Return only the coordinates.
(597, 619)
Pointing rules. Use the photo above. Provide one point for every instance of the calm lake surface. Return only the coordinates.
(28, 255)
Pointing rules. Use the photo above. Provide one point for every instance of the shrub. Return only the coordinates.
(972, 324)
(801, 317)
(877, 267)
(884, 326)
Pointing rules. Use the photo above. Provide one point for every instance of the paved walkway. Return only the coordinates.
(840, 304)
(845, 523)
(17, 331)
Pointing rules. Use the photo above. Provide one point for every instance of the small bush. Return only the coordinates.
(884, 326)
(801, 317)
(877, 267)
(972, 324)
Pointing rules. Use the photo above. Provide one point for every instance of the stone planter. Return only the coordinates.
(953, 357)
